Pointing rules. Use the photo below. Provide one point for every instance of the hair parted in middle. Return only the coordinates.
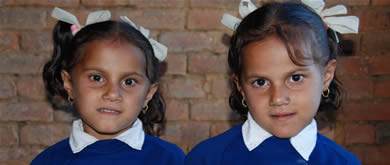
(69, 50)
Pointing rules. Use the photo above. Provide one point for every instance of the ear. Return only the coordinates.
(329, 73)
(152, 90)
(67, 82)
(236, 81)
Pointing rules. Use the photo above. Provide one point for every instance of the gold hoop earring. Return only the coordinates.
(70, 100)
(145, 109)
(325, 93)
(243, 102)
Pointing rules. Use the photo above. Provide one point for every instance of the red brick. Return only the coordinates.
(221, 88)
(173, 133)
(205, 19)
(331, 3)
(176, 64)
(215, 4)
(372, 19)
(18, 153)
(185, 87)
(7, 89)
(219, 128)
(351, 66)
(382, 89)
(372, 154)
(365, 111)
(14, 162)
(207, 63)
(31, 89)
(379, 65)
(22, 18)
(9, 41)
(358, 88)
(177, 111)
(193, 133)
(380, 2)
(212, 110)
(36, 41)
(58, 3)
(186, 133)
(25, 112)
(161, 19)
(185, 41)
(354, 133)
(104, 3)
(158, 3)
(383, 133)
(22, 64)
(60, 115)
(44, 134)
(219, 41)
(376, 43)
(9, 135)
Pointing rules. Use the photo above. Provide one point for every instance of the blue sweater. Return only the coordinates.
(113, 152)
(229, 149)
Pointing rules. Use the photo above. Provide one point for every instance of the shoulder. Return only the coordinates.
(214, 146)
(57, 151)
(163, 146)
(335, 151)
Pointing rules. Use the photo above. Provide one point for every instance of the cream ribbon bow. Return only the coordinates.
(230, 21)
(93, 17)
(160, 51)
(341, 24)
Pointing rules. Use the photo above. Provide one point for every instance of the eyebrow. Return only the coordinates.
(298, 69)
(125, 73)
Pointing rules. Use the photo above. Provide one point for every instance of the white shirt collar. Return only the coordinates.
(304, 142)
(78, 140)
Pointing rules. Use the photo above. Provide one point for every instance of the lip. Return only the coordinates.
(109, 111)
(282, 116)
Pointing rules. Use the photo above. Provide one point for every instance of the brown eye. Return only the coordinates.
(296, 78)
(97, 78)
(260, 83)
(129, 82)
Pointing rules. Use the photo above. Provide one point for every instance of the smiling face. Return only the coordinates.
(282, 97)
(109, 86)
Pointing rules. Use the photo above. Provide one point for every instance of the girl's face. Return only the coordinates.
(282, 97)
(109, 86)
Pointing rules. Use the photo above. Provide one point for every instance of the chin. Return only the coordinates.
(285, 135)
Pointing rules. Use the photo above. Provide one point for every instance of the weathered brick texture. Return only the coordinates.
(196, 83)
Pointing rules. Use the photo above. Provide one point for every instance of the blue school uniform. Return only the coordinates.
(248, 144)
(131, 147)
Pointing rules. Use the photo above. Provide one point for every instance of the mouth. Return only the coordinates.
(282, 116)
(109, 111)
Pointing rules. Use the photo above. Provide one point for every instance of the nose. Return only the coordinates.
(112, 93)
(279, 96)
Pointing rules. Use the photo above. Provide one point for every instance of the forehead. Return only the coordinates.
(113, 54)
(268, 57)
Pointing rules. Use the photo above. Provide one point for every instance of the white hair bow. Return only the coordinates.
(231, 21)
(341, 24)
(160, 51)
(93, 17)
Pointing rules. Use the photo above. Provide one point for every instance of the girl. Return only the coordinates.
(283, 69)
(109, 73)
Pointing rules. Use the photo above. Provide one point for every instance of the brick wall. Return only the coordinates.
(195, 85)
